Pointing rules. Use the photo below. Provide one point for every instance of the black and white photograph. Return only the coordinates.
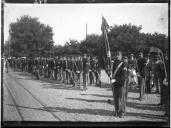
(104, 63)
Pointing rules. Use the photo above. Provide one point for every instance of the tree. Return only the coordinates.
(124, 37)
(28, 34)
(6, 48)
(92, 44)
(72, 47)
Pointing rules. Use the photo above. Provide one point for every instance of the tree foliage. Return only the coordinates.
(124, 37)
(92, 44)
(71, 47)
(28, 34)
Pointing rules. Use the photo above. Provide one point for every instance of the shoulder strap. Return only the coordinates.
(117, 69)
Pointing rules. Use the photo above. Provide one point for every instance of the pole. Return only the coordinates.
(9, 49)
(86, 30)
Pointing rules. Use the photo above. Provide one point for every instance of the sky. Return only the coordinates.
(69, 20)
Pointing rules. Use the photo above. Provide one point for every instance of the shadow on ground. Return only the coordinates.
(98, 95)
(27, 76)
(58, 86)
(100, 112)
(88, 100)
(152, 107)
(46, 82)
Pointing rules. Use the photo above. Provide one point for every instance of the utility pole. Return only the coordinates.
(8, 49)
(86, 30)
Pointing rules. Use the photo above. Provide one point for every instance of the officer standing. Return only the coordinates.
(79, 71)
(159, 77)
(132, 68)
(148, 74)
(29, 65)
(98, 72)
(92, 71)
(68, 70)
(159, 74)
(119, 83)
(141, 67)
(166, 89)
(56, 68)
(85, 71)
(126, 61)
(37, 68)
(60, 69)
(72, 69)
(7, 64)
(64, 68)
(51, 68)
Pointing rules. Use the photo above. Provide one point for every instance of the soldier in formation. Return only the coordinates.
(141, 68)
(78, 71)
(83, 70)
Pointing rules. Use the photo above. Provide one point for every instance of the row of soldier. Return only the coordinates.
(144, 72)
(74, 70)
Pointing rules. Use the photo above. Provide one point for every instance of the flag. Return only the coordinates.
(106, 46)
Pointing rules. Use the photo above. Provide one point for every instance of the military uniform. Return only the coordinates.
(148, 76)
(141, 67)
(37, 65)
(132, 68)
(119, 86)
(159, 75)
(92, 71)
(72, 68)
(67, 70)
(69, 73)
(45, 68)
(79, 71)
(7, 65)
(96, 70)
(85, 72)
(51, 69)
(127, 76)
(29, 66)
(57, 68)
(60, 69)
(64, 68)
(48, 68)
(166, 90)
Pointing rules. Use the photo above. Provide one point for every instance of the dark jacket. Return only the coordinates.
(142, 69)
(121, 73)
(86, 65)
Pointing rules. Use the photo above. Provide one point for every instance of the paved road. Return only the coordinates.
(28, 99)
